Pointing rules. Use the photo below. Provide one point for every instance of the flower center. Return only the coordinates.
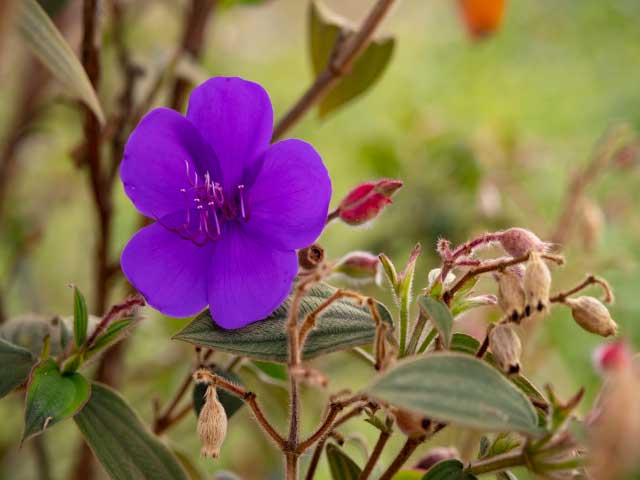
(206, 207)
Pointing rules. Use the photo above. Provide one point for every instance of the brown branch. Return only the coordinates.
(590, 280)
(343, 58)
(375, 455)
(315, 459)
(401, 458)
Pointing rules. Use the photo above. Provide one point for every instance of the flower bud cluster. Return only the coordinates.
(506, 348)
(537, 285)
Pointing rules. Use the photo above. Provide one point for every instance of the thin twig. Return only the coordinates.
(403, 455)
(343, 58)
(590, 280)
(383, 438)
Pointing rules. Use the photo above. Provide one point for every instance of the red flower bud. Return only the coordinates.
(358, 267)
(366, 201)
(612, 357)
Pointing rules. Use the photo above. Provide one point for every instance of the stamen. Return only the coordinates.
(243, 213)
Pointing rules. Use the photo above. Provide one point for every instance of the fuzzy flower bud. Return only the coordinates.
(212, 424)
(436, 455)
(358, 267)
(366, 201)
(592, 315)
(518, 241)
(506, 348)
(537, 284)
(612, 357)
(410, 423)
(511, 296)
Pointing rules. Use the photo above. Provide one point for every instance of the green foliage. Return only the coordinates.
(45, 41)
(448, 470)
(52, 397)
(341, 326)
(341, 465)
(325, 30)
(457, 388)
(80, 317)
(16, 364)
(121, 442)
(113, 333)
(440, 315)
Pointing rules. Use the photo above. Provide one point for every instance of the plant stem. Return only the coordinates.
(375, 455)
(428, 339)
(590, 280)
(421, 322)
(315, 459)
(497, 463)
(343, 58)
(403, 455)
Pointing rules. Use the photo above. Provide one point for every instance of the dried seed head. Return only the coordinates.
(212, 424)
(410, 423)
(518, 241)
(537, 284)
(436, 455)
(358, 267)
(506, 348)
(511, 296)
(310, 257)
(592, 315)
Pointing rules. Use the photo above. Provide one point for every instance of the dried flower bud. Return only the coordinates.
(537, 284)
(592, 315)
(410, 423)
(436, 455)
(511, 296)
(506, 348)
(612, 357)
(212, 424)
(358, 267)
(310, 257)
(518, 241)
(366, 201)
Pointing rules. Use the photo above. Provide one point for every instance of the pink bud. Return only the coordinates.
(518, 241)
(367, 200)
(358, 266)
(611, 357)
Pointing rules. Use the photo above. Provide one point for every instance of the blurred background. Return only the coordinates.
(486, 134)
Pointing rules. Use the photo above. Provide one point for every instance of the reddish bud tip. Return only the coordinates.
(360, 267)
(612, 357)
(366, 201)
(518, 241)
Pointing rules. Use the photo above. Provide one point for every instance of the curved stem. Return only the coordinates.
(403, 455)
(375, 455)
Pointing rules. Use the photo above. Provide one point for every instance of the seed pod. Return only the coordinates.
(537, 284)
(212, 424)
(511, 296)
(310, 257)
(592, 315)
(518, 241)
(436, 455)
(410, 423)
(506, 348)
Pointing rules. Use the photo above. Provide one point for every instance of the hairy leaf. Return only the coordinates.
(121, 442)
(341, 465)
(448, 470)
(341, 326)
(29, 331)
(80, 317)
(16, 363)
(457, 388)
(440, 315)
(52, 397)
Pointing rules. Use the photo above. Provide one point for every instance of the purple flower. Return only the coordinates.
(230, 208)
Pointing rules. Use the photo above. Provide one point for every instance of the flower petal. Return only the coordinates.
(236, 118)
(248, 280)
(169, 271)
(289, 201)
(156, 158)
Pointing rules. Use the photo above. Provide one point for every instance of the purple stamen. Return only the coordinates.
(243, 213)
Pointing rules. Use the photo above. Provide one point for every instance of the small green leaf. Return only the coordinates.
(45, 41)
(325, 30)
(277, 371)
(341, 465)
(52, 397)
(390, 272)
(121, 442)
(504, 442)
(440, 316)
(231, 403)
(17, 363)
(448, 470)
(80, 317)
(114, 332)
(341, 326)
(457, 388)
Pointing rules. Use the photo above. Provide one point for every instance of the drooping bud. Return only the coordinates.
(592, 315)
(436, 455)
(537, 284)
(518, 241)
(212, 424)
(506, 348)
(366, 201)
(412, 424)
(612, 357)
(310, 257)
(511, 296)
(358, 267)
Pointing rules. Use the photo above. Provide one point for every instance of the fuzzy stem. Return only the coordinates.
(401, 458)
(497, 463)
(421, 322)
(590, 280)
(375, 455)
(315, 459)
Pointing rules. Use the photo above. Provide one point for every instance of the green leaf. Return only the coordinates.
(457, 388)
(325, 29)
(80, 317)
(341, 465)
(448, 470)
(503, 443)
(277, 371)
(114, 332)
(341, 326)
(408, 475)
(230, 402)
(440, 316)
(29, 332)
(45, 41)
(17, 363)
(121, 442)
(52, 397)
